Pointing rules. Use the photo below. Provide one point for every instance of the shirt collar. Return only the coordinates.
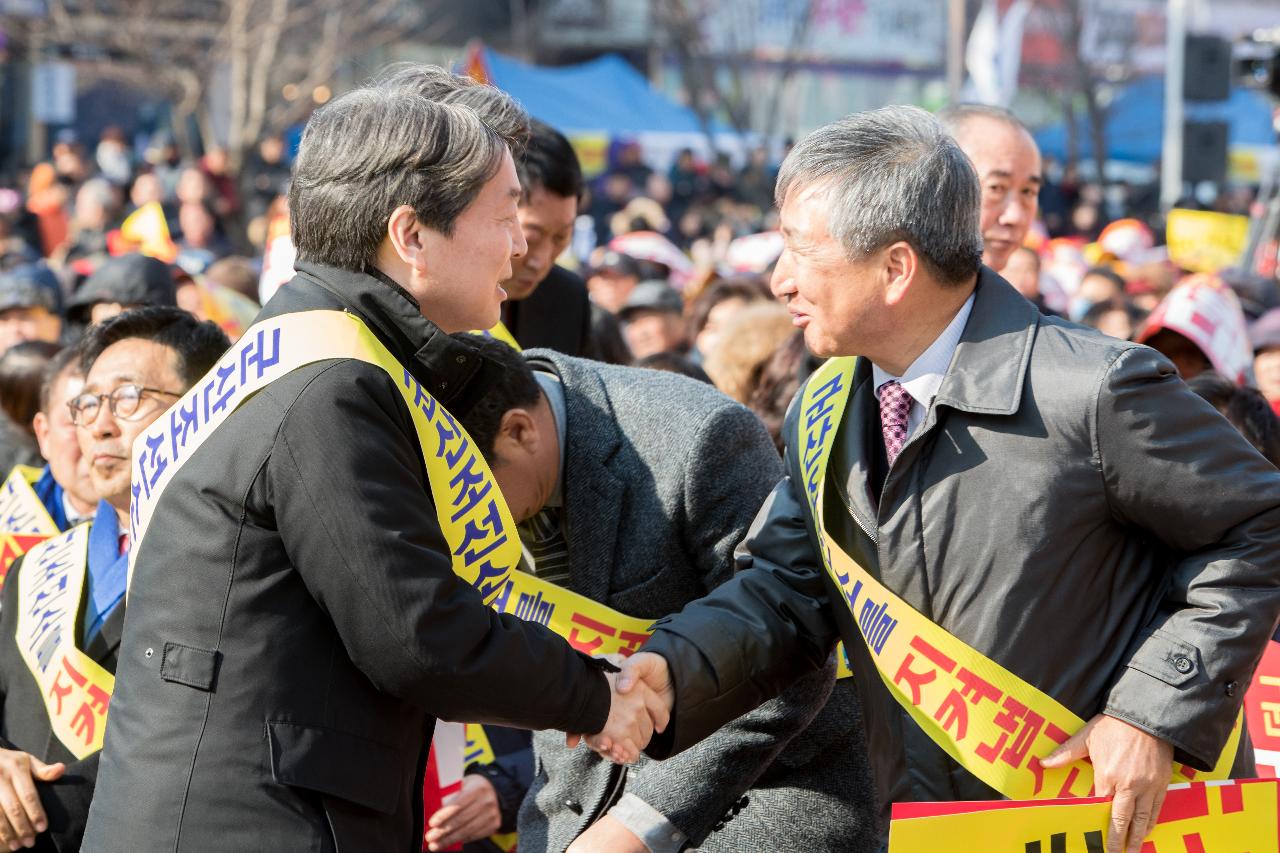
(74, 516)
(553, 389)
(924, 377)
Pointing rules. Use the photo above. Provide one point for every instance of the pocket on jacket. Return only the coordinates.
(189, 665)
(336, 763)
(1167, 658)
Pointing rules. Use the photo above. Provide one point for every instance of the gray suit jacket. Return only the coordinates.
(663, 475)
(1068, 507)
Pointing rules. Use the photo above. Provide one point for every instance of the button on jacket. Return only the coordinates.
(295, 626)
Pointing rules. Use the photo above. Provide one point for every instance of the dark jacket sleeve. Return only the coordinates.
(731, 466)
(510, 773)
(755, 634)
(346, 483)
(1176, 469)
(66, 803)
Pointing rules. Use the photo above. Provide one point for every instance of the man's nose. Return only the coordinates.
(519, 246)
(1015, 211)
(781, 283)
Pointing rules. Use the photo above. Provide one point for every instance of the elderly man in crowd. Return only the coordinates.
(280, 691)
(961, 496)
(63, 606)
(65, 487)
(1007, 161)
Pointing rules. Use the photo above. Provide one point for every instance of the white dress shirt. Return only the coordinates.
(924, 377)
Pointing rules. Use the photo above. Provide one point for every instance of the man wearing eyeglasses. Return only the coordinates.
(63, 602)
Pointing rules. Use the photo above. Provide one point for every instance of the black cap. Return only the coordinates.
(652, 295)
(30, 285)
(131, 279)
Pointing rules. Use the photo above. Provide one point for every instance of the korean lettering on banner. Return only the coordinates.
(236, 375)
(19, 509)
(593, 637)
(964, 693)
(1196, 818)
(1262, 710)
(90, 712)
(51, 596)
(818, 424)
(474, 500)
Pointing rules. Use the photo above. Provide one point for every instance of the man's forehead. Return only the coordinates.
(999, 148)
(132, 360)
(803, 212)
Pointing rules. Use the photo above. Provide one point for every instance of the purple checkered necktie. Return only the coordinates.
(895, 406)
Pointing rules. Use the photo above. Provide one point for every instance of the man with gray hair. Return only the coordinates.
(1007, 161)
(1002, 514)
(321, 560)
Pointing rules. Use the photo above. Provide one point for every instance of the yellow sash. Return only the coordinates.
(989, 720)
(501, 333)
(24, 522)
(75, 687)
(473, 515)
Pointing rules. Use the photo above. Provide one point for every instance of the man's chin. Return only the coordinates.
(997, 257)
(517, 290)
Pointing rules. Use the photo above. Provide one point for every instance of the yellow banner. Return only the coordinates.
(989, 720)
(1204, 241)
(24, 521)
(75, 687)
(1225, 817)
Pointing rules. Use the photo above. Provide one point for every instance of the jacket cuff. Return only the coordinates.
(593, 714)
(648, 824)
(1165, 690)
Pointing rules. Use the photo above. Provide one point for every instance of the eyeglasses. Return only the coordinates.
(123, 403)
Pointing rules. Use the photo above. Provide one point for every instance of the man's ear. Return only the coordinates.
(517, 434)
(900, 264)
(404, 235)
(40, 424)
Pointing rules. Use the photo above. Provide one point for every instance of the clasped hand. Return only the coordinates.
(640, 704)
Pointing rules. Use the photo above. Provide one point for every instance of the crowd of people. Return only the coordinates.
(423, 377)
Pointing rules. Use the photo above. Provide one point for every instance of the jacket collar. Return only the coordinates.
(989, 368)
(451, 368)
(592, 492)
(986, 376)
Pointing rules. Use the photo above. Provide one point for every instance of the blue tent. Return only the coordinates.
(1135, 123)
(605, 95)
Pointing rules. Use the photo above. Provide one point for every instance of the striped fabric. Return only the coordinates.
(545, 541)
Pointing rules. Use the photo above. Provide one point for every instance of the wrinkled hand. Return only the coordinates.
(636, 711)
(1130, 766)
(23, 816)
(468, 815)
(607, 835)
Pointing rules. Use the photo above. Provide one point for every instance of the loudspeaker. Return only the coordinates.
(1208, 69)
(1204, 151)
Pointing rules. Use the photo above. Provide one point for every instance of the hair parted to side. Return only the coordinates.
(374, 149)
(495, 107)
(893, 174)
(198, 344)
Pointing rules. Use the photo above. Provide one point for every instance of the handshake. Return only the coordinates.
(641, 704)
